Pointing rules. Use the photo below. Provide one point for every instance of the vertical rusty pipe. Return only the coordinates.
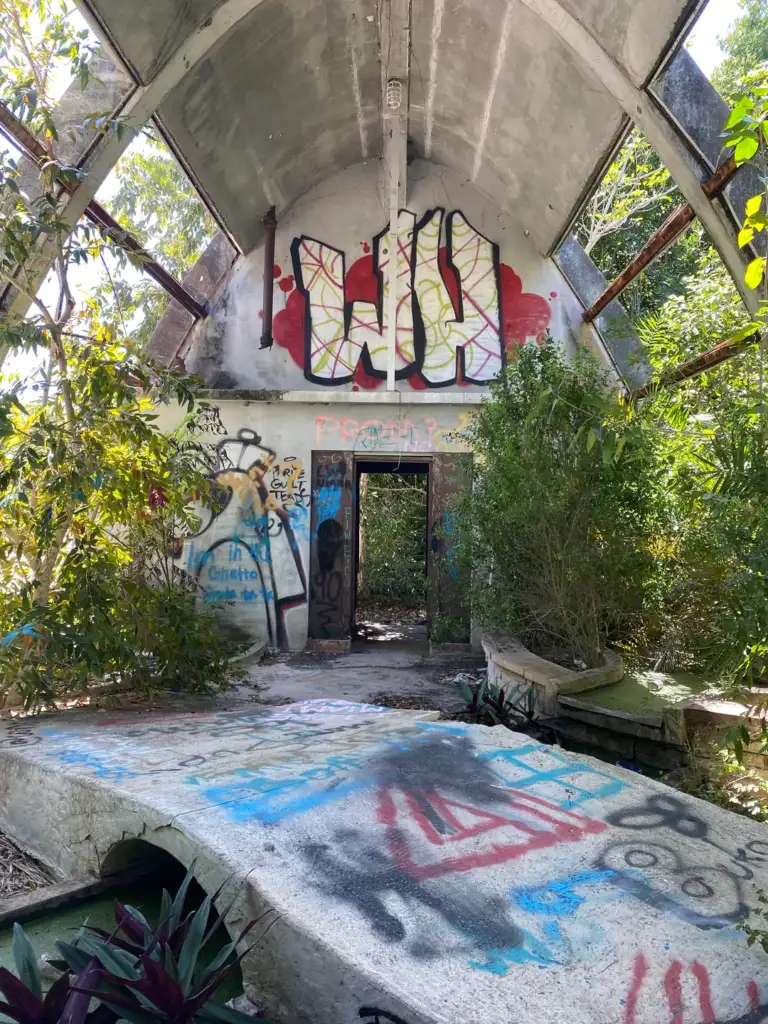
(270, 226)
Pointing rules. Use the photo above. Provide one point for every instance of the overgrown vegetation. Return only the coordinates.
(568, 504)
(393, 522)
(93, 495)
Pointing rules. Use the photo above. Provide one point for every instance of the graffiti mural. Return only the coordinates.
(459, 311)
(247, 555)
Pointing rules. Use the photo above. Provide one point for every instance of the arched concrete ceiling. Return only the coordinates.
(292, 93)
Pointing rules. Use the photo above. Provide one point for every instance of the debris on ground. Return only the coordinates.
(406, 703)
(18, 871)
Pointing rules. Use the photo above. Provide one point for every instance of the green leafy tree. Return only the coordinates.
(37, 39)
(393, 521)
(634, 198)
(155, 202)
(745, 46)
(93, 495)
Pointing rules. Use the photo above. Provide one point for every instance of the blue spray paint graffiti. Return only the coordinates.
(327, 501)
(551, 775)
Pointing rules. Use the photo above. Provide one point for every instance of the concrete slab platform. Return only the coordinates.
(412, 870)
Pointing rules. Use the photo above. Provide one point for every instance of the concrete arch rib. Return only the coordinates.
(639, 107)
(147, 99)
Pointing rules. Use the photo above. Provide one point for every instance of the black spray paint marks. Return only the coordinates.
(356, 870)
(372, 1015)
(705, 895)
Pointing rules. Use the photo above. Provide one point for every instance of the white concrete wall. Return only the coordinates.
(508, 294)
(254, 555)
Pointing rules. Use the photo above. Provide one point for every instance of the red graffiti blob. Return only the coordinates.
(361, 282)
(524, 314)
(366, 247)
(364, 380)
(449, 276)
(288, 327)
(286, 285)
(417, 383)
(276, 271)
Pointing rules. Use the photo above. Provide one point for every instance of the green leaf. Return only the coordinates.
(754, 274)
(745, 150)
(26, 961)
(745, 236)
(753, 205)
(190, 949)
(591, 439)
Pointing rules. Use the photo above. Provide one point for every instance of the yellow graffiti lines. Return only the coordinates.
(364, 328)
(477, 333)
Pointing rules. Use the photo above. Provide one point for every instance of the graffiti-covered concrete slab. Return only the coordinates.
(415, 871)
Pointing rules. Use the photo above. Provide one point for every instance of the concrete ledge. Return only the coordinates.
(28, 905)
(512, 664)
(653, 721)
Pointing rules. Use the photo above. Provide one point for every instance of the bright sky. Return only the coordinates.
(715, 20)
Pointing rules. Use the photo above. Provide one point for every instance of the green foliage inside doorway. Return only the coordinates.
(393, 525)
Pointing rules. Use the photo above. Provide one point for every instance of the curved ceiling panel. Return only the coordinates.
(287, 98)
(293, 94)
(634, 32)
(524, 120)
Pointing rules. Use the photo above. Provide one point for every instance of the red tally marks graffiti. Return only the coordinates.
(675, 1008)
(460, 310)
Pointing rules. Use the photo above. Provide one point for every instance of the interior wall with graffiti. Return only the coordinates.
(460, 310)
(251, 556)
(471, 291)
(246, 557)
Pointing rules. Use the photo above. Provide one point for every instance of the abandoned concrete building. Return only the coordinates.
(326, 136)
(395, 185)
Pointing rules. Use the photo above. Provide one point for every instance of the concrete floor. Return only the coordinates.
(394, 662)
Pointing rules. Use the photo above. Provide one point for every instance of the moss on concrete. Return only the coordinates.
(639, 693)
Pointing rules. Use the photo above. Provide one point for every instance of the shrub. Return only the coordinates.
(567, 511)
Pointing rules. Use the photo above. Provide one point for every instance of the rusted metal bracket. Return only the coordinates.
(23, 137)
(669, 232)
(693, 367)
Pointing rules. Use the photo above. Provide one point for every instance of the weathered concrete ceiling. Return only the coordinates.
(292, 93)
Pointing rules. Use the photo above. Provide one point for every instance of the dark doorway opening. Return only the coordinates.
(391, 566)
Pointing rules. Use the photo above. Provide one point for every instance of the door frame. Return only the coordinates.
(425, 460)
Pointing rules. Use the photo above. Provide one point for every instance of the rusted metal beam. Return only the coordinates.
(95, 212)
(693, 367)
(669, 232)
(98, 215)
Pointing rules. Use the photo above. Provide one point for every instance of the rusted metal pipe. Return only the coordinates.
(669, 232)
(96, 213)
(693, 367)
(269, 220)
